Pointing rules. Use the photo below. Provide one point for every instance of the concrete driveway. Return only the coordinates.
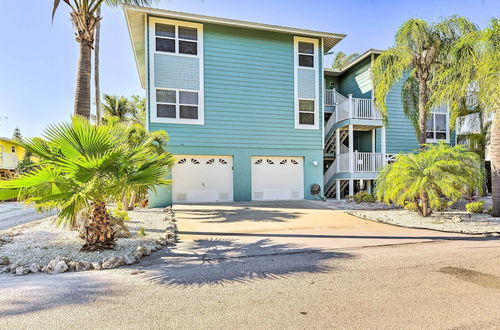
(275, 266)
(305, 224)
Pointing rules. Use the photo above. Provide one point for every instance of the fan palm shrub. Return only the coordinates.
(82, 168)
(425, 178)
(419, 50)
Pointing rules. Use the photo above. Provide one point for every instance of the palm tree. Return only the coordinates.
(425, 177)
(118, 107)
(470, 79)
(111, 3)
(342, 59)
(83, 167)
(85, 16)
(419, 50)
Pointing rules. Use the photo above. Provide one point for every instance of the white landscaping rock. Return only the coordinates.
(113, 262)
(142, 251)
(4, 260)
(96, 265)
(59, 268)
(22, 270)
(35, 268)
(129, 259)
(83, 266)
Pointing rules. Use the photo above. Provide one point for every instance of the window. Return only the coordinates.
(306, 112)
(437, 127)
(176, 39)
(306, 54)
(13, 149)
(176, 104)
(307, 84)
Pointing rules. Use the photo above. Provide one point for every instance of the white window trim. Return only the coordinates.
(447, 140)
(152, 88)
(296, 41)
(178, 103)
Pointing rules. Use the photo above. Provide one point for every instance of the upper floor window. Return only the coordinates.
(438, 127)
(306, 54)
(176, 39)
(306, 112)
(176, 104)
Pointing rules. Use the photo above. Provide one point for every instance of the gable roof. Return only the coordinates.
(135, 17)
(360, 58)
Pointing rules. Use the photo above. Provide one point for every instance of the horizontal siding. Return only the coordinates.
(400, 133)
(249, 93)
(357, 80)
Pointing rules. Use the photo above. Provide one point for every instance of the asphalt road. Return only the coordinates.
(14, 213)
(215, 283)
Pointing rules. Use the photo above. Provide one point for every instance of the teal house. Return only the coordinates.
(253, 115)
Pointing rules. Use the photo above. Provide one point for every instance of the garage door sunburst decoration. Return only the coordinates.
(182, 161)
(283, 162)
(195, 161)
(211, 161)
(258, 162)
(222, 161)
(294, 162)
(270, 162)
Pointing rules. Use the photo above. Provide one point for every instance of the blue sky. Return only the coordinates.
(38, 59)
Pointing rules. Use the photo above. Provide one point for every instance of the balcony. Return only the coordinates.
(356, 163)
(345, 108)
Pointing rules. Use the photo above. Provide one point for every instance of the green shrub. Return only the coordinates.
(410, 206)
(490, 210)
(120, 212)
(141, 231)
(444, 205)
(475, 207)
(425, 178)
(361, 197)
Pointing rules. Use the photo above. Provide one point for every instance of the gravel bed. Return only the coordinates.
(42, 241)
(344, 205)
(450, 221)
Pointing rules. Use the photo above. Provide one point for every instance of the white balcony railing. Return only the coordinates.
(350, 107)
(8, 161)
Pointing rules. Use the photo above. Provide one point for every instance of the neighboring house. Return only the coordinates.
(10, 155)
(253, 115)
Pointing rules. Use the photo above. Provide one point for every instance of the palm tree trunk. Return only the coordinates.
(99, 234)
(131, 204)
(82, 94)
(495, 163)
(96, 69)
(422, 112)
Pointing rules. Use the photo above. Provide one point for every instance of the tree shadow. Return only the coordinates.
(24, 295)
(235, 214)
(225, 261)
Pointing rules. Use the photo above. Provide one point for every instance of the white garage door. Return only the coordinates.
(277, 178)
(198, 179)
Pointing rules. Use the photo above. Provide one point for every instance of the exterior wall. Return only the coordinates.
(7, 148)
(249, 94)
(332, 80)
(248, 107)
(357, 80)
(242, 178)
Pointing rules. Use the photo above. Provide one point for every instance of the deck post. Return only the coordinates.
(337, 148)
(369, 186)
(351, 187)
(337, 189)
(351, 148)
(351, 105)
(383, 146)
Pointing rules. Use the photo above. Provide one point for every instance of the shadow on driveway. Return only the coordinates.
(30, 294)
(225, 261)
